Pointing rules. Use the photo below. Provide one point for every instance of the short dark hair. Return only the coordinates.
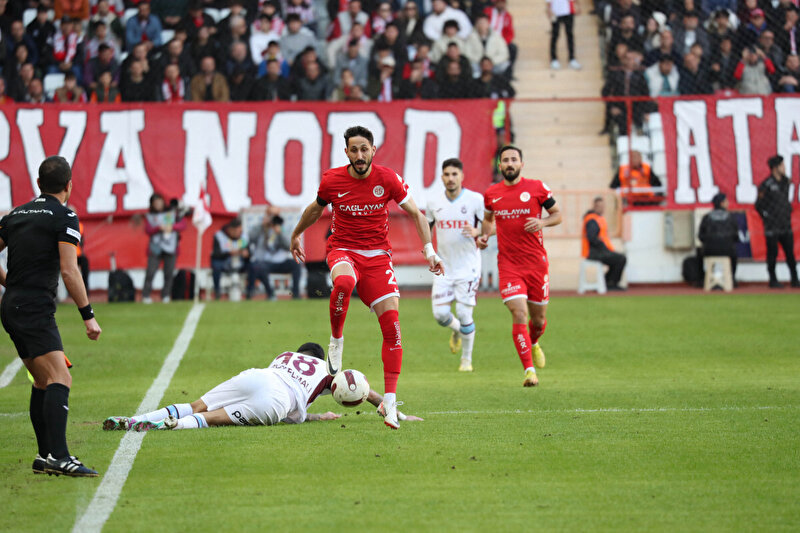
(276, 220)
(293, 17)
(451, 24)
(774, 161)
(313, 349)
(54, 174)
(507, 148)
(70, 75)
(453, 162)
(358, 131)
(235, 223)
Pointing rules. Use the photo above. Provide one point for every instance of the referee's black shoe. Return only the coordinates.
(39, 464)
(69, 467)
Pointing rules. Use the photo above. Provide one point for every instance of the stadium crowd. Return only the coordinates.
(239, 50)
(691, 47)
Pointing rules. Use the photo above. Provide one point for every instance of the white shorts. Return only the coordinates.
(446, 290)
(256, 397)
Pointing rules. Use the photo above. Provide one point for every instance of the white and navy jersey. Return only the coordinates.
(460, 254)
(307, 379)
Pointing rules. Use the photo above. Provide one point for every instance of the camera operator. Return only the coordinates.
(163, 223)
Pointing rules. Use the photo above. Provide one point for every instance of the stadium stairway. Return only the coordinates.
(559, 140)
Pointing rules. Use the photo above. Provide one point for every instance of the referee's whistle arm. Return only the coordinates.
(93, 330)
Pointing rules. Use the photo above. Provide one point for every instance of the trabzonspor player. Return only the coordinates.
(359, 252)
(514, 207)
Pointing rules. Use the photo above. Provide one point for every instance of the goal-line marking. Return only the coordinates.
(10, 371)
(105, 499)
(615, 410)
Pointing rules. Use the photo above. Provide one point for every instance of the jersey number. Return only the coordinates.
(304, 365)
(390, 271)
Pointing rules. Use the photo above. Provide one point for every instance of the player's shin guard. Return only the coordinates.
(340, 301)
(178, 410)
(535, 332)
(38, 420)
(194, 421)
(392, 349)
(522, 342)
(56, 409)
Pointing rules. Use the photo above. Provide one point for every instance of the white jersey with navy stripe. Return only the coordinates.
(307, 378)
(460, 254)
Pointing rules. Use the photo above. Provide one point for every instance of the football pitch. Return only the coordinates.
(653, 414)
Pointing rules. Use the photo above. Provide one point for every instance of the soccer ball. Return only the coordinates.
(349, 388)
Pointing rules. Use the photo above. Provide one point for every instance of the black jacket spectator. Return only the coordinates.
(694, 79)
(723, 65)
(424, 88)
(719, 231)
(490, 85)
(241, 85)
(42, 32)
(314, 85)
(627, 81)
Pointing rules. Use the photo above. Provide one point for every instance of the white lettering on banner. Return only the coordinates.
(690, 123)
(229, 161)
(787, 118)
(286, 126)
(30, 120)
(122, 129)
(741, 109)
(444, 125)
(339, 122)
(5, 147)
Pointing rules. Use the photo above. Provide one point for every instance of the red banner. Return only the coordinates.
(246, 154)
(718, 144)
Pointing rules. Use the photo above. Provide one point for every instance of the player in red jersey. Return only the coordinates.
(359, 253)
(514, 207)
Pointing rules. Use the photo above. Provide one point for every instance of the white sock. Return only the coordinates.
(467, 341)
(455, 325)
(530, 368)
(178, 410)
(194, 421)
(389, 398)
(338, 342)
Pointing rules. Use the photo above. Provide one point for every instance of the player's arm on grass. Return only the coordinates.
(424, 231)
(375, 399)
(310, 216)
(488, 228)
(315, 417)
(71, 274)
(536, 224)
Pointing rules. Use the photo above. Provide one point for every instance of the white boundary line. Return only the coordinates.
(616, 410)
(14, 415)
(105, 499)
(10, 371)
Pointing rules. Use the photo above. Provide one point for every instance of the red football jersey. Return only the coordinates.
(360, 206)
(512, 207)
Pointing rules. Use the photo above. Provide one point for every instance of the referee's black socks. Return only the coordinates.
(56, 409)
(38, 420)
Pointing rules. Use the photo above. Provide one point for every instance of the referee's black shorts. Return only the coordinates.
(30, 320)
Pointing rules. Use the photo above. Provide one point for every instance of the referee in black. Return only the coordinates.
(776, 211)
(42, 236)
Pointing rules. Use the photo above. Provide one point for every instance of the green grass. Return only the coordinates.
(654, 413)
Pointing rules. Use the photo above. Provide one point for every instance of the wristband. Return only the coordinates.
(87, 313)
(428, 250)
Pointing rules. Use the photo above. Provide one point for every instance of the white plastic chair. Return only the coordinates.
(51, 82)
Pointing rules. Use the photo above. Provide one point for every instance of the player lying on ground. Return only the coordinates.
(256, 397)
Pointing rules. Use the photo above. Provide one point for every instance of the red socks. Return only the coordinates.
(535, 332)
(392, 349)
(340, 301)
(522, 342)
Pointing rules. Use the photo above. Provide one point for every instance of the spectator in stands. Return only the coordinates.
(709, 7)
(101, 36)
(230, 254)
(272, 86)
(623, 8)
(353, 61)
(195, 19)
(753, 72)
(15, 62)
(104, 92)
(344, 89)
(502, 22)
(750, 31)
(105, 14)
(4, 98)
(666, 46)
(136, 86)
(36, 92)
(485, 42)
(103, 62)
(382, 17)
(719, 233)
(233, 27)
(144, 27)
(269, 247)
(204, 45)
(163, 227)
(410, 22)
(562, 13)
(271, 8)
(304, 10)
(776, 212)
(694, 80)
(488, 84)
(636, 180)
(689, 33)
(239, 57)
(208, 85)
(766, 42)
(67, 48)
(176, 54)
(241, 84)
(344, 20)
(626, 34)
(390, 39)
(628, 81)
(314, 85)
(42, 31)
(663, 78)
(384, 87)
(114, 6)
(75, 9)
(789, 78)
(597, 246)
(719, 28)
(261, 36)
(19, 83)
(417, 85)
(19, 38)
(723, 66)
(452, 85)
(433, 27)
(453, 55)
(171, 12)
(70, 92)
(139, 54)
(788, 33)
(297, 37)
(651, 39)
(449, 35)
(173, 86)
